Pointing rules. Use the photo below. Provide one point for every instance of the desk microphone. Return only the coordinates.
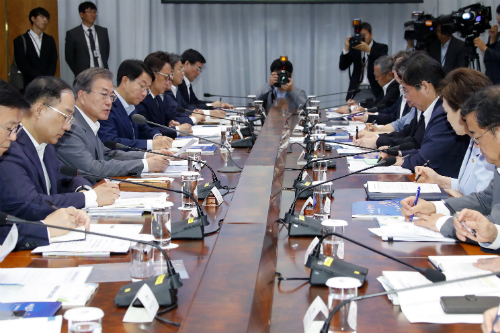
(230, 167)
(339, 93)
(203, 190)
(191, 228)
(165, 289)
(363, 101)
(307, 226)
(319, 274)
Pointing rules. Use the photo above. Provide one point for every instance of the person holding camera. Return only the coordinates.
(491, 52)
(363, 56)
(280, 87)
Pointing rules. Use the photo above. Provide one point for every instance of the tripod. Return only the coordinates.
(470, 54)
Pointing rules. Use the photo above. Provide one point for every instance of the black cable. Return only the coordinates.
(280, 221)
(293, 169)
(215, 231)
(295, 143)
(166, 321)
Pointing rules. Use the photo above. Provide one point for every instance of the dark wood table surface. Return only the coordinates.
(232, 285)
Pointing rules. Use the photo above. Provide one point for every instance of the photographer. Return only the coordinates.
(273, 92)
(363, 57)
(491, 52)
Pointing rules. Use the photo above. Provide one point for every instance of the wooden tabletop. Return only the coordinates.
(232, 285)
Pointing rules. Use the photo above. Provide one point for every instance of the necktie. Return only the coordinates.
(191, 94)
(92, 47)
(363, 64)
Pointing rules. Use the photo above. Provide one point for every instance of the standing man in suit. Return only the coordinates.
(448, 50)
(30, 170)
(35, 51)
(363, 57)
(12, 106)
(80, 146)
(87, 45)
(134, 81)
(491, 51)
(192, 62)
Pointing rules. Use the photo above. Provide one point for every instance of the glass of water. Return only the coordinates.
(161, 224)
(189, 181)
(319, 170)
(84, 320)
(341, 289)
(322, 199)
(333, 246)
(142, 259)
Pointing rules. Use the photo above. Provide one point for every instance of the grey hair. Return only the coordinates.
(85, 79)
(385, 63)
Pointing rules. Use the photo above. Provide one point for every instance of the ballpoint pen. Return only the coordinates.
(455, 215)
(357, 133)
(496, 319)
(416, 201)
(48, 202)
(425, 165)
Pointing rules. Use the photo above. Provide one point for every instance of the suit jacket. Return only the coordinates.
(354, 56)
(296, 97)
(29, 236)
(23, 182)
(388, 115)
(170, 105)
(455, 56)
(77, 50)
(190, 98)
(441, 146)
(120, 128)
(391, 96)
(29, 63)
(82, 149)
(492, 60)
(153, 110)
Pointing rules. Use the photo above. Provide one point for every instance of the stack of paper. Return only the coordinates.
(207, 131)
(356, 165)
(459, 263)
(130, 206)
(181, 142)
(41, 324)
(401, 187)
(397, 229)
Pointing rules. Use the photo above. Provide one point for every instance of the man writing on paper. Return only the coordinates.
(80, 147)
(12, 105)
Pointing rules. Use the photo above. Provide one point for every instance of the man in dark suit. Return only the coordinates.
(363, 57)
(12, 105)
(87, 45)
(447, 50)
(134, 81)
(192, 62)
(491, 51)
(35, 51)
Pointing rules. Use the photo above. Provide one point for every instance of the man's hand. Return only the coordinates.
(219, 104)
(273, 79)
(420, 209)
(371, 128)
(345, 108)
(367, 141)
(365, 134)
(107, 193)
(489, 317)
(289, 86)
(157, 163)
(363, 47)
(173, 123)
(162, 142)
(409, 44)
(486, 232)
(363, 118)
(488, 264)
(427, 175)
(346, 45)
(67, 217)
(186, 128)
(198, 117)
(428, 221)
(218, 113)
(493, 33)
(480, 44)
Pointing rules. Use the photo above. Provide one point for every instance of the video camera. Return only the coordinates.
(357, 38)
(421, 28)
(470, 21)
(283, 75)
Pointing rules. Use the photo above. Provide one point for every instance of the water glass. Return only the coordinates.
(322, 199)
(161, 224)
(312, 110)
(319, 144)
(194, 154)
(229, 132)
(84, 320)
(258, 106)
(341, 289)
(333, 246)
(314, 104)
(309, 98)
(189, 181)
(251, 101)
(313, 119)
(142, 259)
(319, 129)
(319, 170)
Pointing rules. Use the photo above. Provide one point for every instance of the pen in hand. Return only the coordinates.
(416, 201)
(455, 215)
(48, 202)
(426, 164)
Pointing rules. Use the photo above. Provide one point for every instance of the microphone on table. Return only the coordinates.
(320, 274)
(230, 167)
(163, 287)
(355, 91)
(307, 226)
(190, 228)
(241, 143)
(203, 190)
(326, 325)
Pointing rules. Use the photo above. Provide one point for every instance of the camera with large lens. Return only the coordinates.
(422, 29)
(357, 38)
(283, 75)
(469, 21)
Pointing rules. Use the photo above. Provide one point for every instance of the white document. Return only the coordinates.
(70, 236)
(459, 263)
(397, 229)
(186, 146)
(334, 114)
(356, 165)
(180, 142)
(401, 187)
(296, 139)
(39, 325)
(206, 131)
(392, 297)
(67, 294)
(141, 195)
(144, 314)
(25, 276)
(312, 312)
(142, 203)
(9, 243)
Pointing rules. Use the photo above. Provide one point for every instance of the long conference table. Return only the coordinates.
(232, 285)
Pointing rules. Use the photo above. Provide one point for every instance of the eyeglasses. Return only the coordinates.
(377, 76)
(92, 12)
(143, 87)
(198, 68)
(405, 92)
(476, 140)
(168, 76)
(68, 119)
(181, 69)
(105, 96)
(13, 130)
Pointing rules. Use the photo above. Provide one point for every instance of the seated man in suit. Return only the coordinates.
(12, 105)
(80, 146)
(192, 62)
(35, 51)
(152, 107)
(272, 92)
(441, 146)
(483, 120)
(30, 171)
(134, 80)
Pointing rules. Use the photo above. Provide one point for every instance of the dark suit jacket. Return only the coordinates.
(492, 60)
(29, 63)
(170, 105)
(120, 128)
(77, 52)
(153, 110)
(441, 146)
(29, 236)
(23, 183)
(390, 97)
(191, 98)
(388, 115)
(354, 56)
(455, 57)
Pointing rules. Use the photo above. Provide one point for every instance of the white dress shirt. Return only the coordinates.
(174, 91)
(444, 50)
(365, 70)
(37, 40)
(188, 85)
(403, 102)
(99, 59)
(428, 112)
(384, 88)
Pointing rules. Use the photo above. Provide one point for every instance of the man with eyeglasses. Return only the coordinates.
(134, 81)
(87, 45)
(80, 146)
(29, 170)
